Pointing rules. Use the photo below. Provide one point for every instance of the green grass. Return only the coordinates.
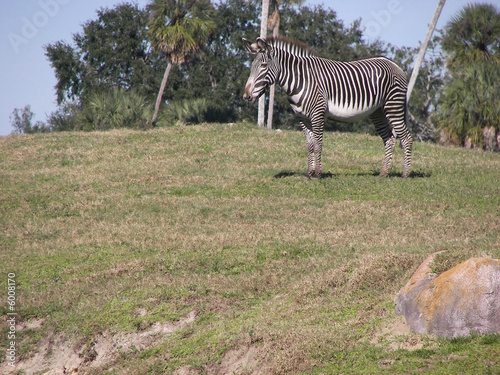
(218, 219)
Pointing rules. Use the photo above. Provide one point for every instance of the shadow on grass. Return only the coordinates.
(413, 174)
(285, 174)
(325, 175)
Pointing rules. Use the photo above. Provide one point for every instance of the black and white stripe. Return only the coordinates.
(344, 91)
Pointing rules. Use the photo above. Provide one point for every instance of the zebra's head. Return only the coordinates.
(264, 70)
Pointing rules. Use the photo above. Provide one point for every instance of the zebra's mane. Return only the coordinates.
(300, 49)
(291, 46)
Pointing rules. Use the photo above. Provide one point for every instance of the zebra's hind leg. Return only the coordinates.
(397, 117)
(407, 144)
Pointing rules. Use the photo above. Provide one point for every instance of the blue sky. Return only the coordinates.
(26, 76)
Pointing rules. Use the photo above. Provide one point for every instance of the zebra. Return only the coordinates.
(374, 87)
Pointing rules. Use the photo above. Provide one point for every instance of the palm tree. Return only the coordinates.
(473, 35)
(469, 104)
(177, 28)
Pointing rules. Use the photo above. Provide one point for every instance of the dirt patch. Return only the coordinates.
(32, 324)
(106, 346)
(56, 353)
(240, 361)
(397, 335)
(185, 370)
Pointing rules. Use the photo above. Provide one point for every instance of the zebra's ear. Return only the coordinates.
(250, 47)
(263, 45)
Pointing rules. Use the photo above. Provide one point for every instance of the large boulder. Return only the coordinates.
(460, 301)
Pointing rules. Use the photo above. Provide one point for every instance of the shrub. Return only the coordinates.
(64, 119)
(115, 109)
(195, 111)
(470, 104)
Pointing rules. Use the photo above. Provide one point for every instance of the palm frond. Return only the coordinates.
(178, 27)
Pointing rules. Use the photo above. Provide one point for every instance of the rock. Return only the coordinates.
(460, 301)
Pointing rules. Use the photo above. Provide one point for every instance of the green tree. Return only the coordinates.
(65, 61)
(469, 105)
(473, 35)
(177, 28)
(321, 29)
(111, 51)
(21, 121)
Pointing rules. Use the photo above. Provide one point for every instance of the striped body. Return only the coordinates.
(344, 91)
(350, 90)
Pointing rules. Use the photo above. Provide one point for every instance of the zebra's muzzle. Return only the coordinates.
(248, 94)
(253, 92)
(249, 98)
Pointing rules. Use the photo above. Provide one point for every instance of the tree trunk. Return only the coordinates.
(160, 93)
(423, 48)
(263, 34)
(276, 28)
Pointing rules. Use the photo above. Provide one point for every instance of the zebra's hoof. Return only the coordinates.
(310, 177)
(383, 173)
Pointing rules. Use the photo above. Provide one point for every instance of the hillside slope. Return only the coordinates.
(203, 250)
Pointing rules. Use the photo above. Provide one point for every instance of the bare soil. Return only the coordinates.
(57, 354)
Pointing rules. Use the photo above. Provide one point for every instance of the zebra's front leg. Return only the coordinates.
(310, 151)
(389, 144)
(317, 125)
(318, 149)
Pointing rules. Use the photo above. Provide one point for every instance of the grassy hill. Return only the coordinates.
(202, 250)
